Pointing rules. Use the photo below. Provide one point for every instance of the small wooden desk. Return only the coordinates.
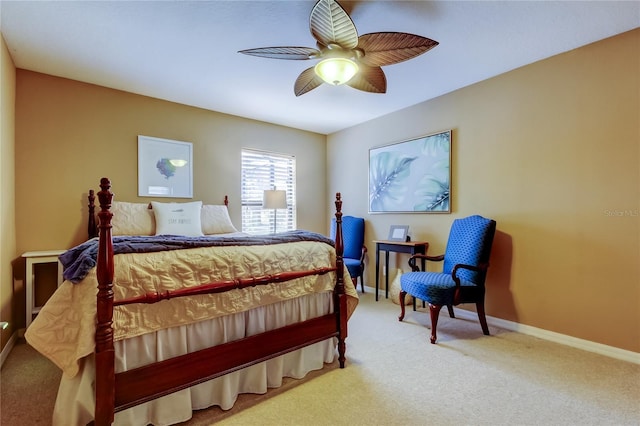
(34, 257)
(411, 247)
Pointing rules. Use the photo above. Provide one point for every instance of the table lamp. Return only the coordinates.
(274, 199)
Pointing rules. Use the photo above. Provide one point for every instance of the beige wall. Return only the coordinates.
(70, 134)
(7, 187)
(551, 152)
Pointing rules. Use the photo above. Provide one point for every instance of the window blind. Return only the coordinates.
(261, 171)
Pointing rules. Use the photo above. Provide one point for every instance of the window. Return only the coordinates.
(263, 170)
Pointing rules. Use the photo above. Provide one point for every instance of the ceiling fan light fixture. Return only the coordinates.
(336, 71)
(345, 57)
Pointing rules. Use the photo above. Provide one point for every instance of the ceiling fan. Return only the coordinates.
(344, 57)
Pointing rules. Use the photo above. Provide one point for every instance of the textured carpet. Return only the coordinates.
(394, 376)
(28, 387)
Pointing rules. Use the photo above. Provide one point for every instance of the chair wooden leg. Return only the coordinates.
(401, 297)
(434, 310)
(482, 317)
(451, 313)
(361, 283)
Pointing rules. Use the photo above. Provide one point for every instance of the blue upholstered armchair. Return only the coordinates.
(464, 270)
(354, 248)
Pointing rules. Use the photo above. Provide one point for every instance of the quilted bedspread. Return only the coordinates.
(79, 260)
(65, 327)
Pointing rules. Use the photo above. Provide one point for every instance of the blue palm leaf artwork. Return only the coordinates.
(411, 176)
(388, 171)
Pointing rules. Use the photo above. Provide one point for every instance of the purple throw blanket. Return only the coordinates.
(79, 260)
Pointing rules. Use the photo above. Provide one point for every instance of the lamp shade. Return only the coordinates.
(274, 199)
(336, 71)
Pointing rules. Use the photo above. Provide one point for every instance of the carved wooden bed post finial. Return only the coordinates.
(339, 240)
(105, 370)
(92, 230)
(340, 295)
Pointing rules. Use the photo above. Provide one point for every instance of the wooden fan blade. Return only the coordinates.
(306, 82)
(330, 23)
(369, 79)
(284, 52)
(388, 48)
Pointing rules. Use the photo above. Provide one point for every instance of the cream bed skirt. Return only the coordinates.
(75, 403)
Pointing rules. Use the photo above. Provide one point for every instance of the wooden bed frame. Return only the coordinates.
(116, 392)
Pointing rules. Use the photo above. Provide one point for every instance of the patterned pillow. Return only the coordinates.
(131, 219)
(216, 220)
(178, 218)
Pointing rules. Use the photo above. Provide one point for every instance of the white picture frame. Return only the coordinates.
(398, 233)
(165, 168)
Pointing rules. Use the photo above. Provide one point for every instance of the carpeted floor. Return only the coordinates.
(394, 376)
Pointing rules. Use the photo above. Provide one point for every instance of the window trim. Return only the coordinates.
(277, 171)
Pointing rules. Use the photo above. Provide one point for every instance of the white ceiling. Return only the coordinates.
(186, 52)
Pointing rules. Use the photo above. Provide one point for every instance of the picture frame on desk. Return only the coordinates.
(398, 233)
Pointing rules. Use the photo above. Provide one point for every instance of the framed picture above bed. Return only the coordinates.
(412, 176)
(165, 168)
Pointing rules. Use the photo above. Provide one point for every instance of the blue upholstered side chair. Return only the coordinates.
(354, 248)
(464, 270)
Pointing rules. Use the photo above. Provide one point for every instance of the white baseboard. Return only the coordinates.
(7, 348)
(552, 336)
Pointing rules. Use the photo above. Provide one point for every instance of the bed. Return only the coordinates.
(190, 327)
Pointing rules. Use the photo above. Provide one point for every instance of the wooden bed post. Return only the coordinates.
(92, 230)
(340, 296)
(105, 354)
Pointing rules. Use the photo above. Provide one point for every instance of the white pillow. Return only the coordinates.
(178, 218)
(131, 219)
(216, 220)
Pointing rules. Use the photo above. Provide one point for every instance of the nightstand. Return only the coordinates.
(33, 258)
(410, 247)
